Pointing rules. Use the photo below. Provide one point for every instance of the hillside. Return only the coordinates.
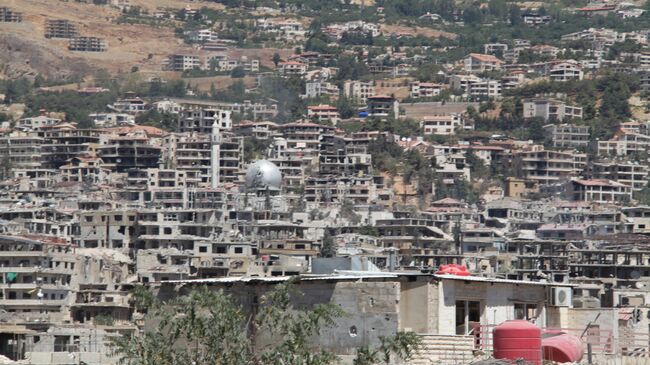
(129, 45)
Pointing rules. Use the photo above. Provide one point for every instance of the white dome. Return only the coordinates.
(263, 174)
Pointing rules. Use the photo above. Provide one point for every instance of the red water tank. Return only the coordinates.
(562, 348)
(518, 339)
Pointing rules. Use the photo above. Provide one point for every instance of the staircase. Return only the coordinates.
(444, 350)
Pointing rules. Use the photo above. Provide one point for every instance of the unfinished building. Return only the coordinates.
(10, 16)
(60, 28)
(88, 44)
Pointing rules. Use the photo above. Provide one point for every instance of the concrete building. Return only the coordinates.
(10, 16)
(88, 44)
(600, 190)
(60, 28)
(382, 106)
(201, 120)
(183, 62)
(565, 71)
(550, 110)
(292, 68)
(476, 63)
(424, 90)
(323, 114)
(317, 89)
(358, 90)
(567, 135)
(442, 124)
(548, 167)
(632, 174)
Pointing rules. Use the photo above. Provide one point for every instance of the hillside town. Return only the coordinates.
(463, 171)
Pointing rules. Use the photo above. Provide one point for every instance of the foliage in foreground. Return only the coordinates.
(208, 327)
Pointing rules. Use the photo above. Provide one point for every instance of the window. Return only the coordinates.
(167, 230)
(239, 250)
(468, 313)
(89, 218)
(118, 218)
(203, 249)
(526, 311)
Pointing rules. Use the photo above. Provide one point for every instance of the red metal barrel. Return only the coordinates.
(518, 339)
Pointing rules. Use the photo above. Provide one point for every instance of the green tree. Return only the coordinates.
(276, 59)
(207, 327)
(328, 249)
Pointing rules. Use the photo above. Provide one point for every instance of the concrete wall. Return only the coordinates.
(414, 307)
(497, 301)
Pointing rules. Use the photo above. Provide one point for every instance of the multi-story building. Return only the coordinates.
(624, 143)
(292, 68)
(565, 71)
(324, 114)
(21, 150)
(317, 89)
(382, 106)
(424, 90)
(88, 44)
(183, 62)
(122, 153)
(567, 135)
(10, 16)
(548, 167)
(201, 120)
(550, 110)
(600, 191)
(66, 142)
(631, 174)
(359, 91)
(36, 123)
(60, 28)
(476, 63)
(443, 124)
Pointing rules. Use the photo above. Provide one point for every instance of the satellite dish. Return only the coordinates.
(635, 275)
(639, 285)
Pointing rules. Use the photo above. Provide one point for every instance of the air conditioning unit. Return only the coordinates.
(561, 296)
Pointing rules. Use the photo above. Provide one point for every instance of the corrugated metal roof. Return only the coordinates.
(497, 280)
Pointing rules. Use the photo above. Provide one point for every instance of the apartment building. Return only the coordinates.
(549, 167)
(476, 63)
(183, 62)
(60, 28)
(36, 123)
(292, 68)
(632, 174)
(567, 135)
(424, 90)
(201, 120)
(122, 153)
(624, 143)
(66, 142)
(565, 71)
(88, 44)
(316, 89)
(324, 114)
(358, 90)
(550, 110)
(10, 16)
(21, 150)
(443, 124)
(600, 191)
(382, 106)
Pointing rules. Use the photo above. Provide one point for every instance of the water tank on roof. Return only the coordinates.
(562, 348)
(518, 340)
